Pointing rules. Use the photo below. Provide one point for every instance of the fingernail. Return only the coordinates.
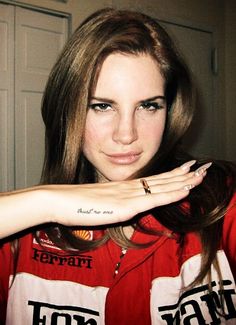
(188, 164)
(188, 187)
(200, 171)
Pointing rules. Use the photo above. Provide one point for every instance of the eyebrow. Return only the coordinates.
(110, 101)
(152, 99)
(103, 99)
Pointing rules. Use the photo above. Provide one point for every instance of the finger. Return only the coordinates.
(158, 199)
(181, 170)
(187, 183)
(173, 186)
(171, 178)
(190, 178)
(160, 186)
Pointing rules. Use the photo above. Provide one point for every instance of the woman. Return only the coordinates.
(127, 243)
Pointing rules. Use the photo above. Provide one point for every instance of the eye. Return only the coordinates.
(151, 106)
(100, 107)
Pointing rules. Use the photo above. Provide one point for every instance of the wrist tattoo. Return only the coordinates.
(89, 211)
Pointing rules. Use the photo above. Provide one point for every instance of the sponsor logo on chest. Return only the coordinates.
(48, 314)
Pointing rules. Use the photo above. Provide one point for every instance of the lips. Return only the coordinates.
(124, 158)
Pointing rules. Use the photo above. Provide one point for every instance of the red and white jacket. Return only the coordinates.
(54, 287)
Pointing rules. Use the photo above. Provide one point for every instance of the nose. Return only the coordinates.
(125, 129)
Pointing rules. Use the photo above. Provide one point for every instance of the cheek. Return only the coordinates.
(95, 134)
(90, 138)
(152, 133)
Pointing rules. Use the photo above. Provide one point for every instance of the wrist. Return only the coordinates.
(41, 205)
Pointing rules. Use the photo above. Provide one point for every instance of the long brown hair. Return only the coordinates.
(64, 110)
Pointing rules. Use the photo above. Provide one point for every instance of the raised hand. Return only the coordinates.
(114, 202)
(94, 204)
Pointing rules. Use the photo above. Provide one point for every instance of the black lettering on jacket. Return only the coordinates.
(81, 261)
(44, 314)
(191, 311)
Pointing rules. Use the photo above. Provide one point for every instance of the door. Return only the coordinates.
(39, 39)
(30, 43)
(6, 97)
(196, 45)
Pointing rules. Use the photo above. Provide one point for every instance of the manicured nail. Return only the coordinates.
(188, 187)
(201, 170)
(188, 164)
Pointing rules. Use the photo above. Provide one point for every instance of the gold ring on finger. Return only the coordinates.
(145, 185)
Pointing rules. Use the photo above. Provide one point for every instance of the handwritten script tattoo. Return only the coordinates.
(89, 211)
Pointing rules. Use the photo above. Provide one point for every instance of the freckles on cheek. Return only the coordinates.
(152, 135)
(93, 136)
(153, 130)
(89, 138)
(90, 125)
(88, 133)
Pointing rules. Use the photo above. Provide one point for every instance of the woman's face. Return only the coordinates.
(126, 117)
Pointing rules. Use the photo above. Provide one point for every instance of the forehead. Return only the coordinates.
(129, 73)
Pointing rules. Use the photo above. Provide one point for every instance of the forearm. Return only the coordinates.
(22, 209)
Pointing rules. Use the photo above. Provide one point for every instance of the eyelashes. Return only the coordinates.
(151, 106)
(100, 107)
(146, 106)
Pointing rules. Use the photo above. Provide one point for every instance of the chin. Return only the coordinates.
(115, 177)
(118, 178)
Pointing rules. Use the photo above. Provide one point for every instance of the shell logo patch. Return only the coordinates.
(84, 234)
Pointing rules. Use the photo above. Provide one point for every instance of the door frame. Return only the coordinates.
(10, 169)
(48, 11)
(218, 77)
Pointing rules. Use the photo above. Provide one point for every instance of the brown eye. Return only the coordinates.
(100, 107)
(151, 106)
